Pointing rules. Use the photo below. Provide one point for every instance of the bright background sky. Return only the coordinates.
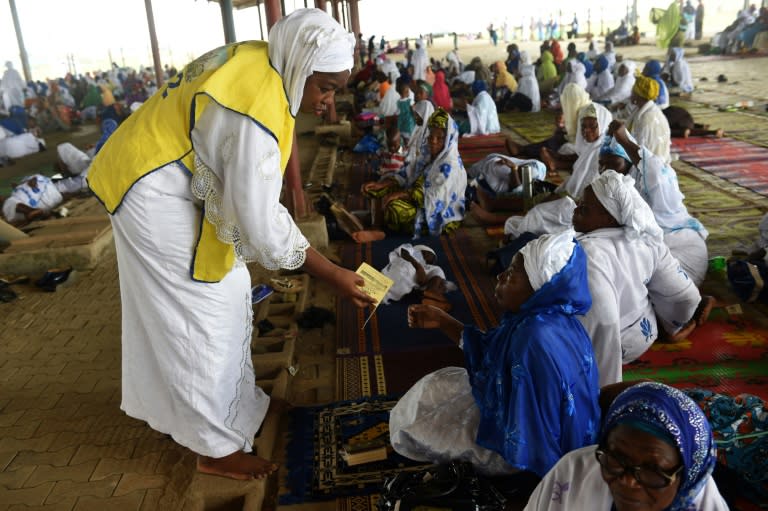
(92, 30)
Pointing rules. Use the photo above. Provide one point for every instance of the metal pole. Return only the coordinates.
(155, 48)
(261, 23)
(20, 40)
(228, 20)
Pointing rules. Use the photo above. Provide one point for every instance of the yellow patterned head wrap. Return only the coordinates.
(439, 119)
(646, 88)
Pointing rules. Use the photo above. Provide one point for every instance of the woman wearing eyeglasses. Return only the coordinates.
(656, 452)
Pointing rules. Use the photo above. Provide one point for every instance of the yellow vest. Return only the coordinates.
(238, 77)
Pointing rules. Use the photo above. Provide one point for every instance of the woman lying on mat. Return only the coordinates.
(656, 452)
(682, 125)
(430, 198)
(529, 391)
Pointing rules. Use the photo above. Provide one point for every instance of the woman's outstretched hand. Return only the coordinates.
(348, 284)
(424, 316)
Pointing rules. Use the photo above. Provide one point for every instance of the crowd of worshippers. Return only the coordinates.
(30, 110)
(600, 267)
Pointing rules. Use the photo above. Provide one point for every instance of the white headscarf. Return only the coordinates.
(575, 74)
(545, 256)
(618, 195)
(622, 87)
(75, 160)
(525, 59)
(305, 41)
(587, 166)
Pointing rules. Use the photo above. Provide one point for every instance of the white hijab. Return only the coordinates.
(545, 256)
(622, 87)
(618, 195)
(305, 41)
(587, 166)
(575, 74)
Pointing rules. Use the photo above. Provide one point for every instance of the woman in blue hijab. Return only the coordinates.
(527, 392)
(656, 453)
(652, 69)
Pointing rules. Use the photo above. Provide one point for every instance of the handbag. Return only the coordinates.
(748, 279)
(451, 486)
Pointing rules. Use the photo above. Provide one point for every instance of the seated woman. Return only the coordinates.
(529, 391)
(546, 73)
(657, 183)
(622, 87)
(652, 69)
(554, 214)
(656, 452)
(601, 80)
(504, 85)
(527, 88)
(574, 73)
(427, 195)
(482, 113)
(637, 286)
(678, 72)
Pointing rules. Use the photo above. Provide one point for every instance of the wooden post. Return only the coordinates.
(155, 48)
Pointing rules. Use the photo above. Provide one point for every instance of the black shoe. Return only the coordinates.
(53, 278)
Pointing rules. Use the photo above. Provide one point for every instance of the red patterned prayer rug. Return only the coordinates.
(736, 161)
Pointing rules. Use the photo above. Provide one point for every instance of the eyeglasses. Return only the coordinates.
(648, 477)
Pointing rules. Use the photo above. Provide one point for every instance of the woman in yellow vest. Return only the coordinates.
(192, 180)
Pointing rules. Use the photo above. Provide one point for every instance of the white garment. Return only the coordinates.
(610, 56)
(388, 105)
(12, 87)
(18, 146)
(680, 71)
(622, 86)
(575, 74)
(587, 165)
(437, 421)
(403, 274)
(576, 484)
(44, 196)
(546, 217)
(241, 188)
(600, 83)
(187, 367)
(496, 174)
(650, 128)
(685, 236)
(529, 86)
(632, 281)
(75, 159)
(483, 116)
(454, 63)
(420, 61)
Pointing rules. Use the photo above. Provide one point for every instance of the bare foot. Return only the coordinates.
(686, 133)
(513, 148)
(548, 159)
(366, 236)
(719, 133)
(702, 311)
(238, 465)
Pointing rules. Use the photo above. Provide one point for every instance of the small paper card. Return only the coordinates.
(376, 285)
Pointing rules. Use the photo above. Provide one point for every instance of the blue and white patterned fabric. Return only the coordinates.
(662, 406)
